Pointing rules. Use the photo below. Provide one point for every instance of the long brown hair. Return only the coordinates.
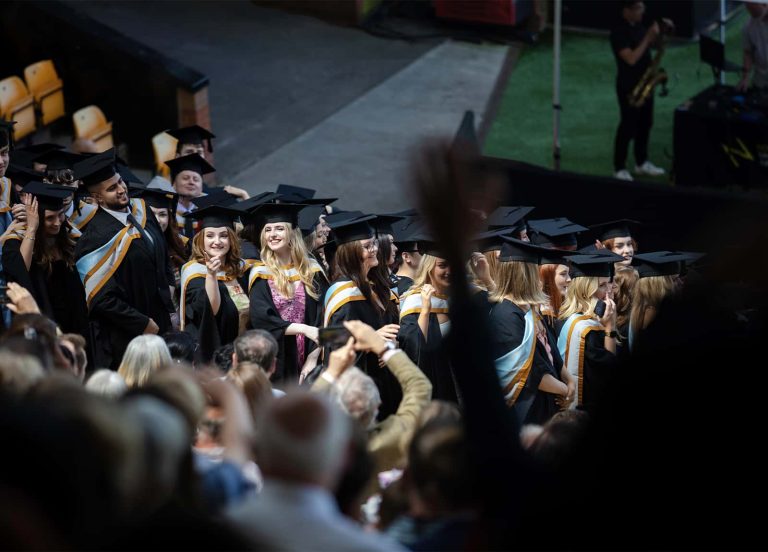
(348, 263)
(625, 280)
(547, 273)
(647, 296)
(177, 249)
(232, 265)
(63, 246)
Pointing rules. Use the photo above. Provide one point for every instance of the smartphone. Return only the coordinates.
(333, 336)
(600, 308)
(4, 295)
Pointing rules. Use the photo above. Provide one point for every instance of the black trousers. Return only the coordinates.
(635, 125)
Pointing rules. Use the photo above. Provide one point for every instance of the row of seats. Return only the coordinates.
(40, 102)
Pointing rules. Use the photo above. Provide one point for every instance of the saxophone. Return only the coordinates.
(654, 75)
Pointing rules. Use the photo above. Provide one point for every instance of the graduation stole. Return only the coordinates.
(514, 367)
(193, 270)
(5, 194)
(260, 270)
(338, 295)
(82, 215)
(17, 235)
(571, 343)
(410, 303)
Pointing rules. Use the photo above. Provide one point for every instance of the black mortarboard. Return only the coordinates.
(309, 217)
(59, 159)
(215, 196)
(48, 197)
(338, 216)
(192, 135)
(406, 233)
(20, 175)
(191, 162)
(96, 169)
(214, 216)
(553, 256)
(432, 248)
(492, 240)
(517, 250)
(621, 228)
(268, 213)
(406, 213)
(382, 224)
(251, 203)
(509, 216)
(29, 154)
(659, 263)
(295, 192)
(6, 133)
(555, 232)
(158, 194)
(595, 265)
(349, 230)
(127, 174)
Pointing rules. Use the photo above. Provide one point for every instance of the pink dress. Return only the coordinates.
(291, 310)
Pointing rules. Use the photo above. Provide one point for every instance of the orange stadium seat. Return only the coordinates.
(164, 147)
(91, 124)
(17, 104)
(47, 89)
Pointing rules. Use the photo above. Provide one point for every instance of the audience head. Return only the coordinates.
(222, 357)
(560, 438)
(357, 394)
(76, 344)
(36, 334)
(145, 355)
(257, 347)
(18, 372)
(303, 438)
(253, 382)
(181, 346)
(106, 383)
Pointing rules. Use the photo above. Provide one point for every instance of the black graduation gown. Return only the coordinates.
(249, 251)
(508, 323)
(404, 283)
(389, 388)
(122, 308)
(430, 354)
(599, 367)
(60, 294)
(211, 332)
(264, 316)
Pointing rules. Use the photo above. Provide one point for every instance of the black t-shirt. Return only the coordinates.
(629, 36)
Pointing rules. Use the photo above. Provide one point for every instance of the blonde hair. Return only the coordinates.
(648, 294)
(231, 265)
(144, 356)
(300, 260)
(580, 297)
(493, 268)
(424, 272)
(519, 282)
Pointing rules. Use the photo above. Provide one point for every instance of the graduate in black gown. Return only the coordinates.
(529, 372)
(214, 303)
(287, 287)
(587, 339)
(42, 259)
(120, 267)
(407, 256)
(250, 248)
(356, 294)
(425, 321)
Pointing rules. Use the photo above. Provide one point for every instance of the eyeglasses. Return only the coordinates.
(373, 246)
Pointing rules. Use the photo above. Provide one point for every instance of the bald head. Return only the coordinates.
(303, 438)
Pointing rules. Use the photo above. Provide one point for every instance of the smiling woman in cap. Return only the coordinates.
(424, 321)
(586, 338)
(529, 370)
(286, 289)
(357, 294)
(214, 305)
(617, 236)
(42, 258)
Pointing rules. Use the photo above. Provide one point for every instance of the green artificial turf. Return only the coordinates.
(522, 129)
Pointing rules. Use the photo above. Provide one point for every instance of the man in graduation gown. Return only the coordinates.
(120, 265)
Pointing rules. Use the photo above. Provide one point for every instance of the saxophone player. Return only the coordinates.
(631, 42)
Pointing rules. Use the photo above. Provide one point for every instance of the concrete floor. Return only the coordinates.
(297, 100)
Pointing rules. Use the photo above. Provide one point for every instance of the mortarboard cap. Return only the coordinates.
(269, 213)
(383, 224)
(96, 169)
(49, 197)
(352, 229)
(20, 175)
(660, 263)
(192, 135)
(492, 240)
(191, 162)
(621, 228)
(215, 196)
(214, 216)
(59, 159)
(509, 216)
(406, 233)
(252, 202)
(517, 250)
(337, 216)
(28, 155)
(127, 175)
(555, 233)
(295, 192)
(309, 217)
(594, 265)
(158, 194)
(432, 248)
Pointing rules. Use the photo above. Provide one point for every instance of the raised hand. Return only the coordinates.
(427, 292)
